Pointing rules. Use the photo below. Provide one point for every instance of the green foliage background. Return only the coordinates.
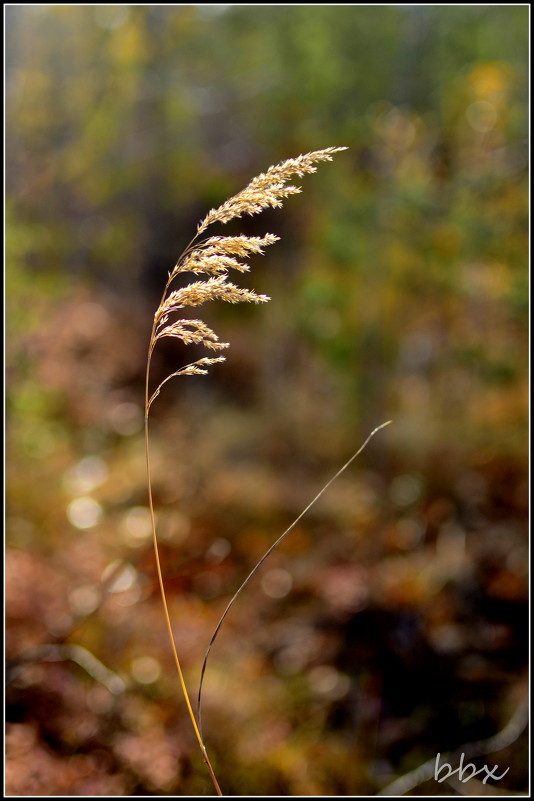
(399, 290)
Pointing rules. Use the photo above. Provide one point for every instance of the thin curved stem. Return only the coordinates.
(264, 557)
(158, 390)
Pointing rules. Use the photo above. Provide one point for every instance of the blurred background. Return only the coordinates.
(392, 623)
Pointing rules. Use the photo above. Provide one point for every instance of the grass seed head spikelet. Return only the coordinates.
(215, 256)
(268, 189)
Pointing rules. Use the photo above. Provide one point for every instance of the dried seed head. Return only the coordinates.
(193, 332)
(201, 291)
(214, 257)
(239, 245)
(195, 367)
(209, 262)
(268, 189)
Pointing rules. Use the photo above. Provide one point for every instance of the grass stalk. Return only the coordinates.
(213, 257)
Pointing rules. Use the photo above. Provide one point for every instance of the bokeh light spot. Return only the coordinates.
(145, 669)
(405, 489)
(136, 526)
(85, 476)
(84, 512)
(277, 583)
(123, 579)
(325, 680)
(85, 599)
(126, 418)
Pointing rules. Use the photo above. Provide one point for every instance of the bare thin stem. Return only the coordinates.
(158, 390)
(264, 557)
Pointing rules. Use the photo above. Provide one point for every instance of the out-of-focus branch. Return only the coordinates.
(72, 653)
(513, 729)
(37, 653)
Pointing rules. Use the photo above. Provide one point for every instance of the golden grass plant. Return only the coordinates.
(213, 257)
